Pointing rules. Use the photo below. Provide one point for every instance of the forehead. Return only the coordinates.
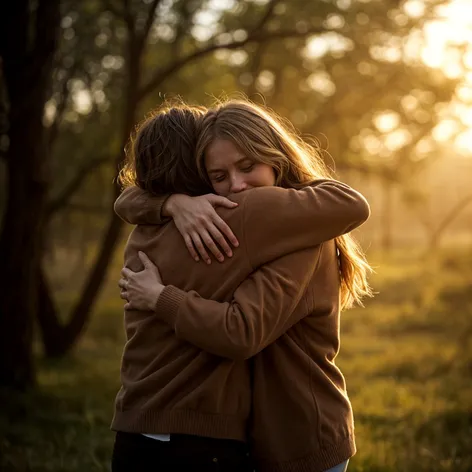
(222, 152)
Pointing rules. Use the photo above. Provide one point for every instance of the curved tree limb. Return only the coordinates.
(259, 36)
(455, 211)
(69, 190)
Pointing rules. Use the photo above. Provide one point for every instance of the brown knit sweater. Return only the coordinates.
(301, 417)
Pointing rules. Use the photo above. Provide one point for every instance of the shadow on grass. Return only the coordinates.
(64, 425)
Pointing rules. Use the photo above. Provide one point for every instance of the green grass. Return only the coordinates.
(407, 358)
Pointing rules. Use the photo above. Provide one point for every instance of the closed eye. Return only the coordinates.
(218, 178)
(248, 168)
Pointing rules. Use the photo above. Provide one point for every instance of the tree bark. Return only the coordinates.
(27, 67)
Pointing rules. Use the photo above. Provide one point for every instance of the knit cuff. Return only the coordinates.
(168, 303)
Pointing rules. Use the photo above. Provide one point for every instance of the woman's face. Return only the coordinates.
(230, 171)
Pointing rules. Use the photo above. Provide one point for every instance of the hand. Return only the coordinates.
(141, 289)
(198, 223)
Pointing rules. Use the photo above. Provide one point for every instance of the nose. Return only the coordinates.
(238, 184)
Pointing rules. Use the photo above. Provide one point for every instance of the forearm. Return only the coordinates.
(262, 309)
(136, 206)
(279, 221)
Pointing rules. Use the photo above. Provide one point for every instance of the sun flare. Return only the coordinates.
(449, 48)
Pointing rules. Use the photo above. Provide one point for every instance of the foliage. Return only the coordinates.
(348, 70)
(352, 63)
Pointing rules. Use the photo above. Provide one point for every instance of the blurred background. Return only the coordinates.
(384, 86)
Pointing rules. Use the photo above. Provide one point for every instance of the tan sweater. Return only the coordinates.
(289, 307)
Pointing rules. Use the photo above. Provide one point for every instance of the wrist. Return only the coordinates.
(171, 205)
(168, 206)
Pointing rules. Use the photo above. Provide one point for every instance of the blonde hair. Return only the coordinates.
(265, 137)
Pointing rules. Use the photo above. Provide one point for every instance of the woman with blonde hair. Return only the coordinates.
(301, 416)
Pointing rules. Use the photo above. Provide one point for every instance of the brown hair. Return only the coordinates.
(264, 137)
(160, 155)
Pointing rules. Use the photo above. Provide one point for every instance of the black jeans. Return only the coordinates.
(138, 453)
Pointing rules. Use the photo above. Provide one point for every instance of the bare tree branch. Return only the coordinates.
(182, 27)
(61, 107)
(257, 36)
(81, 175)
(256, 59)
(149, 20)
(130, 23)
(448, 219)
(125, 14)
(255, 65)
(109, 5)
(267, 15)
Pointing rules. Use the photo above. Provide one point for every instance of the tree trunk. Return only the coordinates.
(27, 67)
(58, 339)
(19, 253)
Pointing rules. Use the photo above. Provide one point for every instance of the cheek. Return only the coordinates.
(221, 188)
(267, 176)
(261, 177)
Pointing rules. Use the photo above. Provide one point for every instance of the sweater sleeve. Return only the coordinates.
(264, 306)
(278, 221)
(136, 206)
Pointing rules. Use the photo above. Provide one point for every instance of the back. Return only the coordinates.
(180, 375)
(168, 384)
(165, 246)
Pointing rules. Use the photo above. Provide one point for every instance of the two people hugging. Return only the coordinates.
(234, 279)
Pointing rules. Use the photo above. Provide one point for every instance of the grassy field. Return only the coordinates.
(407, 358)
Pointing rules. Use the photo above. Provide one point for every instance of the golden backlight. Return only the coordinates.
(449, 48)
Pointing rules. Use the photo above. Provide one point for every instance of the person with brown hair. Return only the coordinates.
(185, 373)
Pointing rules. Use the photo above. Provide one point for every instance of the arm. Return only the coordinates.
(279, 221)
(278, 225)
(264, 306)
(136, 206)
(276, 221)
(194, 217)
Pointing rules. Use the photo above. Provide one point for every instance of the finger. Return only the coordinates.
(122, 283)
(127, 306)
(210, 244)
(124, 295)
(217, 200)
(126, 273)
(190, 247)
(200, 248)
(220, 239)
(145, 260)
(226, 230)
